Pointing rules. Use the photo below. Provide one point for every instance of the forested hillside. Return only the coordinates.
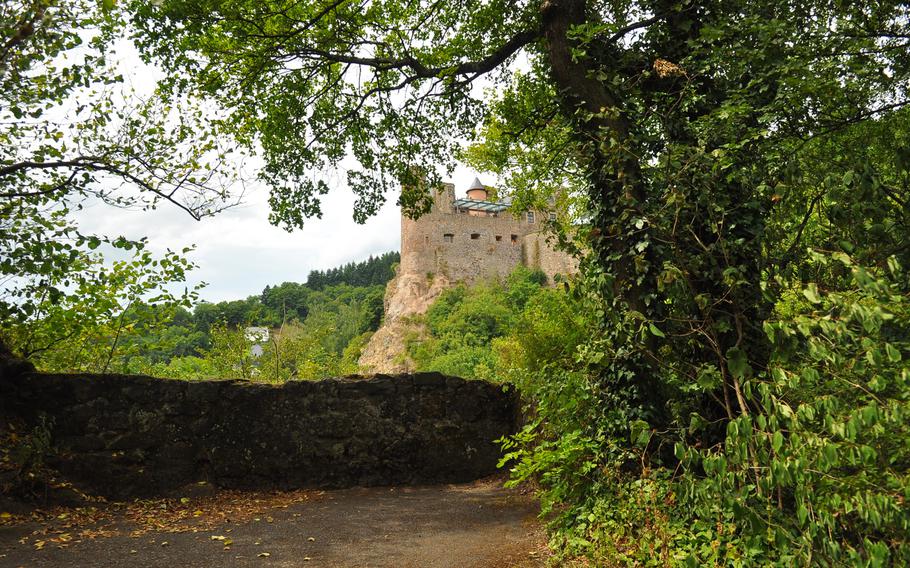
(317, 330)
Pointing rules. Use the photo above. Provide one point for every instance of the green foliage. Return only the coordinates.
(122, 317)
(30, 451)
(358, 286)
(293, 352)
(24, 457)
(94, 316)
(370, 272)
(816, 473)
(122, 149)
(465, 324)
(830, 428)
(60, 303)
(308, 120)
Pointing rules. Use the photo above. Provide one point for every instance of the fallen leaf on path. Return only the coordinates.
(97, 518)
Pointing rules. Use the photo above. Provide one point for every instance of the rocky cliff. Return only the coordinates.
(408, 295)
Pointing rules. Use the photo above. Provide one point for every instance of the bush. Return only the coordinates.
(820, 472)
(817, 472)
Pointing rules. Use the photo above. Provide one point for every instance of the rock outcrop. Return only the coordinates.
(407, 296)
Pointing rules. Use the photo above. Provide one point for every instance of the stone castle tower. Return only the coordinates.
(467, 240)
(473, 238)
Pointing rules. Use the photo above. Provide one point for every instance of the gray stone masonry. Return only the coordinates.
(464, 247)
(127, 436)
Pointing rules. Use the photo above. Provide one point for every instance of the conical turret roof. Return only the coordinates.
(476, 184)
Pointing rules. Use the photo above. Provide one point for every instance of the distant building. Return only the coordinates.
(257, 336)
(467, 240)
(472, 238)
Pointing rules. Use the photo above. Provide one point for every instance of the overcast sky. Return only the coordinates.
(238, 252)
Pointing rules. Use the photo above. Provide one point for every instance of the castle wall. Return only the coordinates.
(445, 247)
(538, 254)
(462, 247)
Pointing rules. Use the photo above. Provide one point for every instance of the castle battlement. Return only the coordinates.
(473, 238)
(467, 240)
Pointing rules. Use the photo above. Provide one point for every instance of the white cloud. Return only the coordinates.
(239, 252)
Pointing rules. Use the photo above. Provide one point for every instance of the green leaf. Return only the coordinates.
(811, 293)
(737, 363)
(777, 441)
(640, 432)
(655, 330)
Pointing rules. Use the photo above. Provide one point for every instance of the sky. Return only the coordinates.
(237, 251)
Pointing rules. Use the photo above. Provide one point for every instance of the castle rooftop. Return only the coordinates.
(480, 205)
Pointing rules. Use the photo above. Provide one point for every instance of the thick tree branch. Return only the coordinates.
(572, 75)
(420, 71)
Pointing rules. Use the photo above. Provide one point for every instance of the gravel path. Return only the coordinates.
(477, 525)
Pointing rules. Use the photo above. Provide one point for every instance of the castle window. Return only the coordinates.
(530, 217)
(448, 237)
(426, 239)
(498, 238)
(514, 239)
(475, 236)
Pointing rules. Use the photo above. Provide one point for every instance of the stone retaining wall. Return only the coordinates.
(124, 436)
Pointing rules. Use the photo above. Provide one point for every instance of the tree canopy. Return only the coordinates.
(73, 133)
(744, 168)
(725, 150)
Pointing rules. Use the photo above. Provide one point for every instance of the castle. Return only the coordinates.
(460, 240)
(471, 239)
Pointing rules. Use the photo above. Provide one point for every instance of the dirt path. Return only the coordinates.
(459, 526)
